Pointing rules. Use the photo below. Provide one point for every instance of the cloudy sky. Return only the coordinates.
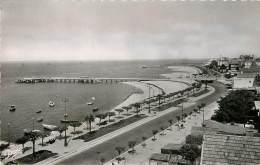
(95, 30)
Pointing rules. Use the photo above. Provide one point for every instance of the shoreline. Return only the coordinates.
(135, 96)
(139, 97)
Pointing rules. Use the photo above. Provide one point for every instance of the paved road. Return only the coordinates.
(107, 149)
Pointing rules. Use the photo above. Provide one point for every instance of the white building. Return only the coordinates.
(244, 81)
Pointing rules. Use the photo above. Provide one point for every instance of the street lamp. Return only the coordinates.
(65, 120)
(149, 98)
(8, 130)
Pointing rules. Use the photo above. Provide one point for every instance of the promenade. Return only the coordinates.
(106, 149)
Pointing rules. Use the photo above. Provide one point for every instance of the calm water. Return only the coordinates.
(29, 98)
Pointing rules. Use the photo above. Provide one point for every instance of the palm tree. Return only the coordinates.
(119, 151)
(89, 118)
(109, 114)
(162, 129)
(154, 133)
(144, 138)
(137, 106)
(32, 136)
(100, 116)
(131, 144)
(61, 129)
(22, 141)
(102, 160)
(43, 135)
(119, 110)
(74, 125)
(159, 96)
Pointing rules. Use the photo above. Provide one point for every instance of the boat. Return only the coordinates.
(89, 103)
(95, 109)
(93, 98)
(12, 108)
(69, 121)
(40, 119)
(39, 111)
(144, 66)
(49, 127)
(51, 104)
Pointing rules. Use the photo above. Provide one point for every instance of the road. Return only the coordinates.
(107, 149)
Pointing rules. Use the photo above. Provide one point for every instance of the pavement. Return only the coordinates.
(104, 147)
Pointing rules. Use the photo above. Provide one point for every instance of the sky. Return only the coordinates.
(122, 30)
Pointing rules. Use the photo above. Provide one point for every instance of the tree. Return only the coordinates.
(61, 129)
(89, 118)
(190, 152)
(109, 114)
(162, 129)
(22, 140)
(178, 119)
(101, 116)
(137, 106)
(213, 65)
(43, 135)
(235, 107)
(170, 122)
(32, 136)
(75, 125)
(119, 150)
(119, 110)
(159, 96)
(154, 133)
(131, 144)
(102, 160)
(144, 139)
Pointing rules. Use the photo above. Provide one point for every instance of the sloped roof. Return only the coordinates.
(212, 127)
(247, 75)
(230, 149)
(160, 157)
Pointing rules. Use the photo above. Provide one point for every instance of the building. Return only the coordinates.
(223, 64)
(219, 149)
(234, 66)
(257, 107)
(257, 62)
(244, 81)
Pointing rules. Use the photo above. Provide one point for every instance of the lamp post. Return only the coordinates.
(33, 123)
(149, 98)
(8, 130)
(65, 121)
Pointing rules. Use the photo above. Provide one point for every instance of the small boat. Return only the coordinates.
(40, 119)
(51, 104)
(49, 127)
(39, 111)
(69, 121)
(95, 109)
(144, 66)
(93, 98)
(12, 108)
(90, 103)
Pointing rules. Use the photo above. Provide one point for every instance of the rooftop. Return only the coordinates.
(230, 149)
(213, 127)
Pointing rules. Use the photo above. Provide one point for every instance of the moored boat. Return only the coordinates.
(89, 103)
(69, 121)
(12, 108)
(49, 127)
(39, 111)
(40, 119)
(51, 104)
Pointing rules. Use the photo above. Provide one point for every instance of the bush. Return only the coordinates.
(190, 152)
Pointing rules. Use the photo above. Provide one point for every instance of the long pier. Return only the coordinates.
(87, 80)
